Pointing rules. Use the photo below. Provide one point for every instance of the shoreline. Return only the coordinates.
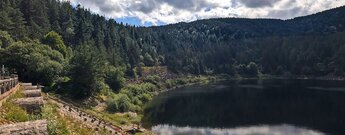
(189, 81)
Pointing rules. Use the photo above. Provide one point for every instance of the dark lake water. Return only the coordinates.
(250, 107)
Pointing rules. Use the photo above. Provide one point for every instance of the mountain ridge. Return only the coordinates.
(303, 25)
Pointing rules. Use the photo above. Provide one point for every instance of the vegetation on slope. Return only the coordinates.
(57, 124)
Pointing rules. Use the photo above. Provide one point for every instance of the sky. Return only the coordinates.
(161, 12)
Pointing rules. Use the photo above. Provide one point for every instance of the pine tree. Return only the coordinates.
(98, 33)
(5, 19)
(53, 13)
(67, 24)
(35, 12)
(18, 32)
(84, 27)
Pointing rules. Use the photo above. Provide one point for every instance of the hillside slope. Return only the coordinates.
(239, 41)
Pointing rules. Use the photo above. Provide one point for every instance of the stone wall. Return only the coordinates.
(93, 122)
(25, 128)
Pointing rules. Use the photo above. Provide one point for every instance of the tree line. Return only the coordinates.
(68, 47)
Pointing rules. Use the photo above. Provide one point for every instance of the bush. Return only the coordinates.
(55, 127)
(138, 89)
(124, 104)
(154, 79)
(170, 83)
(114, 78)
(112, 105)
(144, 98)
(119, 103)
(131, 97)
(252, 69)
(137, 101)
(181, 81)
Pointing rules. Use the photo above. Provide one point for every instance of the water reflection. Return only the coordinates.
(246, 103)
(255, 130)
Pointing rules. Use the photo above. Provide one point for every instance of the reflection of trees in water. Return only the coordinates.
(244, 106)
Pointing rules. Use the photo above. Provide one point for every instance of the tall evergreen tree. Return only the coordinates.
(18, 24)
(35, 12)
(67, 23)
(5, 19)
(54, 16)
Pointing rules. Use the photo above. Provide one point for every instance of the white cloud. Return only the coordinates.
(173, 11)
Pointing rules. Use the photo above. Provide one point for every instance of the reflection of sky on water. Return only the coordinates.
(255, 130)
(338, 89)
(306, 104)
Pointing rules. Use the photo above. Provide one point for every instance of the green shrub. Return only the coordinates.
(55, 126)
(137, 101)
(114, 78)
(134, 90)
(181, 81)
(154, 79)
(170, 84)
(124, 104)
(144, 98)
(112, 105)
(119, 103)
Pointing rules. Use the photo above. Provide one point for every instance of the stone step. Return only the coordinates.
(25, 128)
(31, 104)
(32, 93)
(33, 87)
(25, 84)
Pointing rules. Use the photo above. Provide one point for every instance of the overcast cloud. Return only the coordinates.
(173, 11)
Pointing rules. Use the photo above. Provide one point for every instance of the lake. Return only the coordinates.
(250, 107)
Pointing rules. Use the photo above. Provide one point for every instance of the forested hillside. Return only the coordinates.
(56, 44)
(310, 45)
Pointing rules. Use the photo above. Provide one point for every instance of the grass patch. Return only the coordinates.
(121, 119)
(58, 125)
(13, 111)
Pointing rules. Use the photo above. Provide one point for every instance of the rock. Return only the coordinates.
(25, 128)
